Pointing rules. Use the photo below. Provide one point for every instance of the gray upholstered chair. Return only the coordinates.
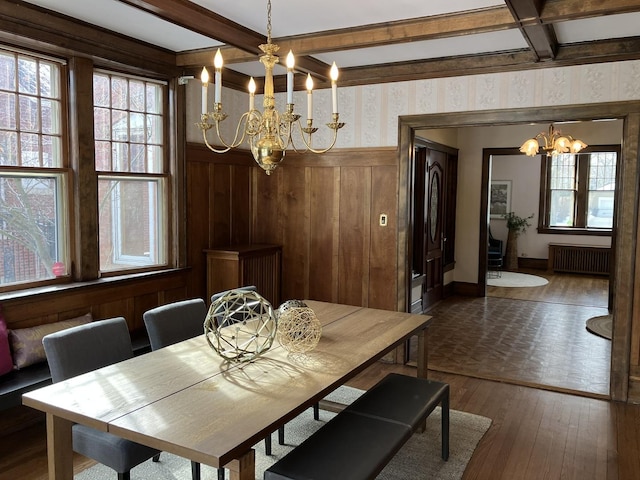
(82, 349)
(173, 323)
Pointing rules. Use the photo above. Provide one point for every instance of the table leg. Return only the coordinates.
(59, 448)
(422, 354)
(243, 468)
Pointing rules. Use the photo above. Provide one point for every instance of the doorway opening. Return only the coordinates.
(468, 216)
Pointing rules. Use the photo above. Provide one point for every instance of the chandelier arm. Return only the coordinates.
(308, 144)
(240, 128)
(211, 147)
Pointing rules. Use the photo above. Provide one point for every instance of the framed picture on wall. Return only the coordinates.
(500, 199)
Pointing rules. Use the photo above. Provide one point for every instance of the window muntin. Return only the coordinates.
(33, 183)
(580, 191)
(132, 182)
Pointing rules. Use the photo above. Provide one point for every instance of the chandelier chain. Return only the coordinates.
(269, 21)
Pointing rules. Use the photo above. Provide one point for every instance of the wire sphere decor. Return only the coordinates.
(240, 325)
(299, 330)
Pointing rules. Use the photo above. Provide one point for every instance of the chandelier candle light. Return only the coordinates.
(555, 143)
(269, 133)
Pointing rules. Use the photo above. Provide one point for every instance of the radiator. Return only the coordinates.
(579, 259)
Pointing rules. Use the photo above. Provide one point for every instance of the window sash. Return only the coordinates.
(34, 213)
(133, 225)
(573, 185)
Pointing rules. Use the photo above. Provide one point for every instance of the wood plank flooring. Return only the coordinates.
(535, 434)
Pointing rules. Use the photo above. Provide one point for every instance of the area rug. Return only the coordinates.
(513, 279)
(419, 458)
(601, 326)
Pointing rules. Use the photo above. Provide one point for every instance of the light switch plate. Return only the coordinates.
(383, 219)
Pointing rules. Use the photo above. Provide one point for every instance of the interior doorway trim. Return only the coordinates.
(623, 274)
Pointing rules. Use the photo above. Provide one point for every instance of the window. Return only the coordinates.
(132, 178)
(578, 193)
(33, 178)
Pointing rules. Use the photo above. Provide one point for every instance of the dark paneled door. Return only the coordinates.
(433, 237)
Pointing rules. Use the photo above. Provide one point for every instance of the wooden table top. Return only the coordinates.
(185, 399)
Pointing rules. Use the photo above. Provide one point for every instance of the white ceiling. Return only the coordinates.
(295, 17)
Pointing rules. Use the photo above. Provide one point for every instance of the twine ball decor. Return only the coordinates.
(240, 325)
(288, 305)
(299, 329)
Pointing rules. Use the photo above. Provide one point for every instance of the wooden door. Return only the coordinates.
(433, 227)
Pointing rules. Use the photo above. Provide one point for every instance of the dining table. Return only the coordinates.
(187, 400)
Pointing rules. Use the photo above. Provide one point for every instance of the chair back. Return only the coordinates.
(175, 322)
(87, 347)
(232, 315)
(248, 288)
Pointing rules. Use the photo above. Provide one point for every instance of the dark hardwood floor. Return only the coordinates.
(536, 433)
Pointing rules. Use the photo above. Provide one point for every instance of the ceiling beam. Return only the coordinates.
(613, 50)
(25, 24)
(427, 28)
(562, 10)
(191, 16)
(539, 36)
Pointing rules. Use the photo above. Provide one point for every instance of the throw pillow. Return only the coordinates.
(6, 364)
(26, 343)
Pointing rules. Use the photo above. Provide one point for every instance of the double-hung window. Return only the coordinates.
(130, 160)
(34, 223)
(578, 191)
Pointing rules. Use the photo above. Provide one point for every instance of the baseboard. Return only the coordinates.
(466, 289)
(532, 263)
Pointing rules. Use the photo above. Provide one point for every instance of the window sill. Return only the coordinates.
(68, 287)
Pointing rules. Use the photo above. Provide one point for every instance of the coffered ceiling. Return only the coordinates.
(374, 41)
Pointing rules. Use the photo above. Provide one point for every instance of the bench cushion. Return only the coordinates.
(359, 446)
(26, 343)
(400, 398)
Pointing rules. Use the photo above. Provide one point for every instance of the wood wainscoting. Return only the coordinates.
(127, 296)
(323, 209)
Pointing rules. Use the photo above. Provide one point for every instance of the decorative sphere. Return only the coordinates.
(240, 325)
(299, 329)
(289, 304)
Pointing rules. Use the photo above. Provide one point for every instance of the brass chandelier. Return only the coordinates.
(555, 143)
(269, 133)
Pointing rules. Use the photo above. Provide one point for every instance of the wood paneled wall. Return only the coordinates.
(106, 298)
(324, 210)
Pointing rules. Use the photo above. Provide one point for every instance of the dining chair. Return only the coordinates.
(84, 348)
(173, 323)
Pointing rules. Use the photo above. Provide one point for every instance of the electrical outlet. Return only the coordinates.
(383, 219)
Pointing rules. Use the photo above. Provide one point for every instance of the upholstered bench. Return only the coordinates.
(359, 441)
(17, 382)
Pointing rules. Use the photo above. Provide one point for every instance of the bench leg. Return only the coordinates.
(267, 445)
(444, 407)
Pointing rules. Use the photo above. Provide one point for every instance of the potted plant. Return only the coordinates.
(516, 225)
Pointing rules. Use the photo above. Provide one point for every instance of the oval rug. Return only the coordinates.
(513, 279)
(601, 326)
